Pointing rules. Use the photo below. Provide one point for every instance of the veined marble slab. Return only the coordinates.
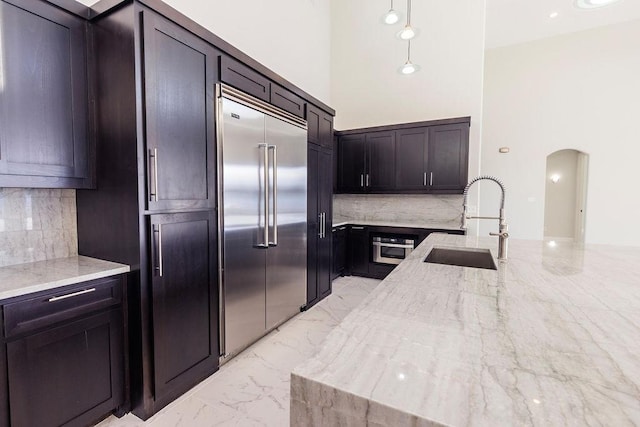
(22, 279)
(339, 222)
(551, 338)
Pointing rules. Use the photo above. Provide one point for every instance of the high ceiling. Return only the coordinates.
(516, 21)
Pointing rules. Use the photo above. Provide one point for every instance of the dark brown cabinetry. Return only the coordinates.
(185, 333)
(280, 97)
(339, 258)
(179, 78)
(425, 157)
(65, 355)
(358, 251)
(155, 204)
(367, 162)
(44, 137)
(319, 220)
(244, 78)
(320, 127)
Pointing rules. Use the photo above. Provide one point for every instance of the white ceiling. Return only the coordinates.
(516, 21)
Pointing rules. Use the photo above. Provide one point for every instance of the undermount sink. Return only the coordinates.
(467, 257)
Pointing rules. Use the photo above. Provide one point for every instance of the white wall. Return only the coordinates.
(291, 37)
(578, 91)
(366, 88)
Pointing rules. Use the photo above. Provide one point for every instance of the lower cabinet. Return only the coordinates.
(339, 259)
(65, 355)
(358, 247)
(184, 302)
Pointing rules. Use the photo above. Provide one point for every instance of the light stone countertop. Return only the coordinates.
(22, 279)
(550, 339)
(339, 222)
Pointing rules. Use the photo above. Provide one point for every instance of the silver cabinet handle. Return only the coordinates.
(392, 245)
(357, 228)
(320, 225)
(274, 189)
(361, 180)
(430, 179)
(159, 266)
(367, 180)
(71, 295)
(424, 179)
(153, 190)
(265, 177)
(324, 225)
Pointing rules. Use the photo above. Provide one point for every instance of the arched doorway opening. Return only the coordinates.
(566, 196)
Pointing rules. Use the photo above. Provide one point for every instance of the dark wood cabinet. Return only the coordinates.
(156, 175)
(358, 250)
(185, 300)
(319, 220)
(288, 101)
(240, 76)
(352, 163)
(320, 127)
(44, 136)
(65, 354)
(179, 78)
(339, 263)
(411, 159)
(448, 158)
(424, 157)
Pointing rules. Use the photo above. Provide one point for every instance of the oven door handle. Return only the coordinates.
(392, 245)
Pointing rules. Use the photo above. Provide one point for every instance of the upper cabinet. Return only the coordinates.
(320, 127)
(179, 78)
(425, 157)
(244, 78)
(44, 138)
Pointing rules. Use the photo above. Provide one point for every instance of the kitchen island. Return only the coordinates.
(550, 338)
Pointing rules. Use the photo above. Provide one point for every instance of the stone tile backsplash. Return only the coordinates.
(37, 224)
(400, 208)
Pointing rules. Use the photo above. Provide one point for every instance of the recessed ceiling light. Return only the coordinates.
(593, 4)
(553, 15)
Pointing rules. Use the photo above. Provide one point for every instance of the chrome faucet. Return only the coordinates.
(502, 233)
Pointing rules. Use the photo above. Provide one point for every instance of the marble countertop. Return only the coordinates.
(339, 222)
(22, 279)
(551, 338)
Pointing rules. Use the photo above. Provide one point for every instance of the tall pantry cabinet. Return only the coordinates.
(154, 207)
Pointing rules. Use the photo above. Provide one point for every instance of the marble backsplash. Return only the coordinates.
(400, 208)
(37, 224)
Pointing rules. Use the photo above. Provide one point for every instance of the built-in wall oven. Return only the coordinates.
(391, 249)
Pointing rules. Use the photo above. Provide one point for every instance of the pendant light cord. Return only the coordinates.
(408, 12)
(409, 51)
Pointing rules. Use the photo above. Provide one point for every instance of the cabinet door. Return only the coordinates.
(326, 130)
(288, 101)
(179, 81)
(70, 373)
(325, 196)
(184, 301)
(381, 168)
(339, 251)
(313, 223)
(43, 102)
(351, 170)
(244, 78)
(359, 250)
(448, 158)
(411, 159)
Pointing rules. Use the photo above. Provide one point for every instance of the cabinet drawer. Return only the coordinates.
(61, 304)
(244, 78)
(280, 97)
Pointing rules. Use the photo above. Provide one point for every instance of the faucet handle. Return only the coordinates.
(500, 234)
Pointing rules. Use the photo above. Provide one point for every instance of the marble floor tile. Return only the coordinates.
(253, 388)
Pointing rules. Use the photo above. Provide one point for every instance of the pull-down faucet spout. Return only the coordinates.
(502, 233)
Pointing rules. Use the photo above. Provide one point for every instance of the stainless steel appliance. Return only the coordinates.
(262, 189)
(391, 250)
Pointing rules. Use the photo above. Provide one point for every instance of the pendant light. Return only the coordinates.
(408, 32)
(409, 67)
(391, 17)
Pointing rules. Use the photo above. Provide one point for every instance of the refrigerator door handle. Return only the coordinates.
(265, 206)
(274, 190)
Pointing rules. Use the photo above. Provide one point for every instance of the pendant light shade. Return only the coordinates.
(408, 67)
(391, 17)
(408, 32)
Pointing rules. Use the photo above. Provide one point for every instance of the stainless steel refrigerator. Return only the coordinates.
(262, 189)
